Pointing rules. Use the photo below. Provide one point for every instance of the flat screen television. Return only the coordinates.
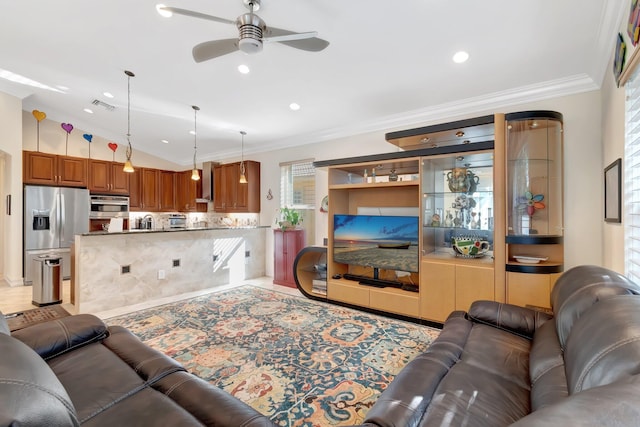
(377, 241)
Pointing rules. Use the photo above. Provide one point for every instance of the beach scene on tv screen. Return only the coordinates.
(385, 242)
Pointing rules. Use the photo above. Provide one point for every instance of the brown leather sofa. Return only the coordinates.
(501, 365)
(77, 371)
(494, 366)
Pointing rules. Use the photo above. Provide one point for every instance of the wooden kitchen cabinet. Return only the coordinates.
(150, 189)
(135, 191)
(144, 190)
(108, 178)
(229, 194)
(187, 191)
(51, 169)
(167, 190)
(287, 244)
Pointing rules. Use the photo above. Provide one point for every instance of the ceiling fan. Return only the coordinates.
(253, 32)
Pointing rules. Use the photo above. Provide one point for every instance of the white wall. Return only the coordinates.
(613, 140)
(11, 146)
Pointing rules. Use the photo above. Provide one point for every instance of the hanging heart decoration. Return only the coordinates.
(88, 137)
(39, 115)
(113, 147)
(67, 127)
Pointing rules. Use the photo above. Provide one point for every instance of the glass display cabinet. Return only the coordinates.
(457, 206)
(534, 234)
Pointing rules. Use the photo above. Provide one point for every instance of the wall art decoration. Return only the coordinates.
(619, 58)
(612, 192)
(633, 25)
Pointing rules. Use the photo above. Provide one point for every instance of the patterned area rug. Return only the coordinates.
(300, 362)
(26, 318)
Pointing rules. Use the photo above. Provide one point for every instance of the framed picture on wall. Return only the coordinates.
(612, 189)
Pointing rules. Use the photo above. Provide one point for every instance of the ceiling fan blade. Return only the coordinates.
(289, 37)
(305, 41)
(213, 49)
(193, 14)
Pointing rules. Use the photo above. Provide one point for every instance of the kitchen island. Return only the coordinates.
(114, 270)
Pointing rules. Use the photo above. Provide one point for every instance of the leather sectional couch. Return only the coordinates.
(500, 365)
(77, 371)
(496, 365)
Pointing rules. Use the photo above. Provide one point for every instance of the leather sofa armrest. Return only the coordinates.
(53, 338)
(511, 318)
(614, 404)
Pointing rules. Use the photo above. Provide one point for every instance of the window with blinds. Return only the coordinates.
(631, 171)
(298, 184)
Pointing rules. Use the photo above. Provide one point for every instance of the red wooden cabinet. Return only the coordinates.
(287, 244)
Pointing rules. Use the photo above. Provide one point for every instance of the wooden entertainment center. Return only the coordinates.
(488, 194)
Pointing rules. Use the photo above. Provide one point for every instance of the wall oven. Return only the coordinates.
(109, 207)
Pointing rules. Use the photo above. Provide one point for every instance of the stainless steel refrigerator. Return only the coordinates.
(52, 217)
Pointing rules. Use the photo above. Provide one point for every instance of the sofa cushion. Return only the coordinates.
(581, 287)
(511, 318)
(604, 344)
(30, 393)
(404, 401)
(50, 339)
(149, 364)
(488, 386)
(546, 368)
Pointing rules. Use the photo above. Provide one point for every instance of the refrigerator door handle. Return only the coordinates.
(62, 215)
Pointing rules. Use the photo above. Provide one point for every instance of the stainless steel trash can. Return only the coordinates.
(47, 280)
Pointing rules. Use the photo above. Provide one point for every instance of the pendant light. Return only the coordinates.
(194, 173)
(128, 167)
(243, 178)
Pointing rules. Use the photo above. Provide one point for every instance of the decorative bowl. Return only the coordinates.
(469, 246)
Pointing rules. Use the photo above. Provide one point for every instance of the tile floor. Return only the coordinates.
(18, 298)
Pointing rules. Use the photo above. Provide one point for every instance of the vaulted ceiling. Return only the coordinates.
(387, 63)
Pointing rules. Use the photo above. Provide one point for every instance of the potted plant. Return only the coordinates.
(288, 219)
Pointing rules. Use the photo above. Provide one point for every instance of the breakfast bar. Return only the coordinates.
(113, 270)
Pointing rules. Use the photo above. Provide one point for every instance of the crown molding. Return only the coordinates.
(448, 111)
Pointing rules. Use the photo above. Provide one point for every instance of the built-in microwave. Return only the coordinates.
(109, 206)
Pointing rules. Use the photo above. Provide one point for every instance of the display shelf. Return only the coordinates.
(534, 205)
(377, 184)
(448, 256)
(305, 271)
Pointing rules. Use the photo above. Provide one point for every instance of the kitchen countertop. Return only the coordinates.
(172, 230)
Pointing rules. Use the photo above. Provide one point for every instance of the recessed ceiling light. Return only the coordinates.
(165, 141)
(244, 69)
(88, 110)
(460, 57)
(294, 106)
(192, 132)
(163, 12)
(108, 94)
